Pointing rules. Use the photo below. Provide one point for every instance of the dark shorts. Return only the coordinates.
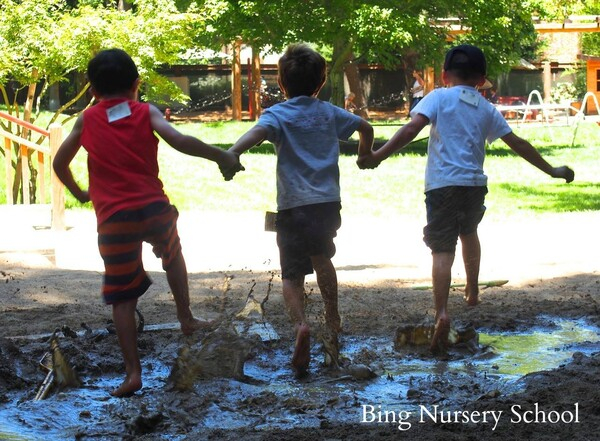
(303, 232)
(451, 212)
(120, 240)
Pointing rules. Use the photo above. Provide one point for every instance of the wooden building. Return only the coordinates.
(592, 80)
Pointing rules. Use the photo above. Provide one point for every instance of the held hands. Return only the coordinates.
(230, 165)
(563, 172)
(367, 161)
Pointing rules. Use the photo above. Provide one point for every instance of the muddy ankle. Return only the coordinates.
(439, 341)
(331, 349)
(472, 298)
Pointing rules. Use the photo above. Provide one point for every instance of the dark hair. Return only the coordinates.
(112, 71)
(466, 62)
(302, 70)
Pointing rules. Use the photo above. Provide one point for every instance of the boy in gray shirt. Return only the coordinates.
(306, 133)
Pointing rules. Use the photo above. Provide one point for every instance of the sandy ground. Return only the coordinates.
(51, 279)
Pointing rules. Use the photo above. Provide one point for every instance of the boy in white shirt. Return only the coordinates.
(455, 184)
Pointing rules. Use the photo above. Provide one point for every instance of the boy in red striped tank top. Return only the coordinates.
(131, 207)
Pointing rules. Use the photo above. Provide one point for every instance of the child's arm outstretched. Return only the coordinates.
(252, 137)
(65, 154)
(399, 140)
(525, 150)
(192, 146)
(365, 136)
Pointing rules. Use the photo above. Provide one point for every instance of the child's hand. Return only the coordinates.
(563, 172)
(367, 161)
(83, 197)
(230, 165)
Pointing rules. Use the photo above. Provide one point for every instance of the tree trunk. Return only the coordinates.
(80, 83)
(54, 100)
(123, 5)
(342, 50)
(341, 64)
(17, 195)
(353, 75)
(29, 188)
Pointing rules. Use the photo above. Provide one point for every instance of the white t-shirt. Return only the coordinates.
(461, 123)
(306, 133)
(419, 93)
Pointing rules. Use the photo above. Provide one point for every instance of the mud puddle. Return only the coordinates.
(269, 397)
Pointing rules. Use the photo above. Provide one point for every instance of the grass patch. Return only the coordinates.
(395, 188)
(551, 198)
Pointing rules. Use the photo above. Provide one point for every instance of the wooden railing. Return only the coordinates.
(54, 138)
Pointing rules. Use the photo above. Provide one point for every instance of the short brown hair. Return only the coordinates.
(302, 70)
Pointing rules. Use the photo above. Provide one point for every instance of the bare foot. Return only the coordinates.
(301, 357)
(132, 384)
(439, 341)
(471, 297)
(193, 325)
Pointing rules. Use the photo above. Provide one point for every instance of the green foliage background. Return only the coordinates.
(395, 188)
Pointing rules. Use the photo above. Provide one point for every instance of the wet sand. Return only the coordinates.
(49, 280)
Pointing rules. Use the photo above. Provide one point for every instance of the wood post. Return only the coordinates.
(24, 174)
(256, 84)
(429, 78)
(547, 79)
(250, 90)
(8, 170)
(42, 176)
(58, 189)
(236, 82)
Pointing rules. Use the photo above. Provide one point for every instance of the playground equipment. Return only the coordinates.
(552, 114)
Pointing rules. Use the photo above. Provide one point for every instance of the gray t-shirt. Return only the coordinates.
(306, 133)
(461, 122)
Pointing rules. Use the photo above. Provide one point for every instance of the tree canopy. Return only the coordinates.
(407, 34)
(45, 40)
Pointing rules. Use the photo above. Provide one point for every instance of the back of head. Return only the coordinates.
(111, 72)
(302, 71)
(465, 61)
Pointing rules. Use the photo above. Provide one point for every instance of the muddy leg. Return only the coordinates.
(177, 277)
(471, 250)
(441, 275)
(293, 294)
(124, 320)
(328, 285)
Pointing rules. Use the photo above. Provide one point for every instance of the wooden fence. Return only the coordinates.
(45, 153)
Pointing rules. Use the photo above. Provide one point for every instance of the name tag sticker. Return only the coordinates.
(470, 97)
(118, 112)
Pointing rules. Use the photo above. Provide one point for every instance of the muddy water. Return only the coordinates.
(270, 398)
